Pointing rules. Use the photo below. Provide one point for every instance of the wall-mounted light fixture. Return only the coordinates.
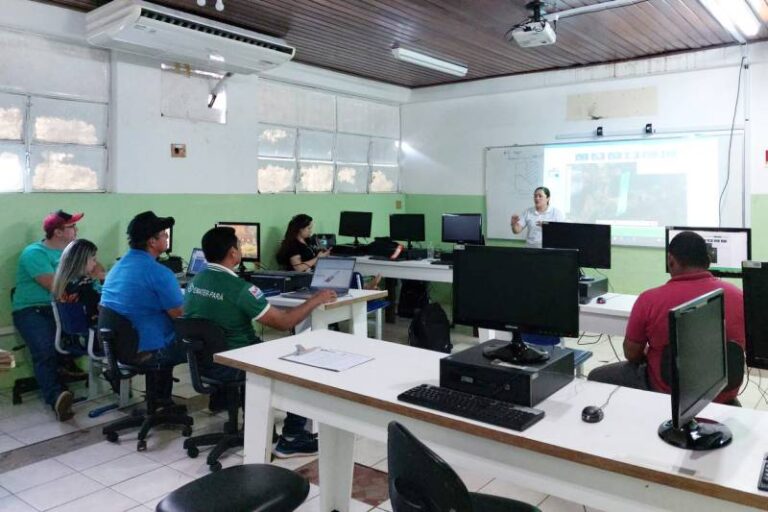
(738, 17)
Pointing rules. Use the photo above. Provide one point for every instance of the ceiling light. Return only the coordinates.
(428, 62)
(219, 4)
(736, 16)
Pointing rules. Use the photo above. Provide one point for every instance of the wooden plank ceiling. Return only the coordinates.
(356, 36)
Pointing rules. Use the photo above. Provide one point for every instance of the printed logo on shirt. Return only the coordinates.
(196, 290)
(256, 292)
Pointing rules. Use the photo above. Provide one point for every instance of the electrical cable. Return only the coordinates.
(730, 144)
(614, 349)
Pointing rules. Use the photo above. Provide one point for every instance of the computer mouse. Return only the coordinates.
(601, 300)
(592, 414)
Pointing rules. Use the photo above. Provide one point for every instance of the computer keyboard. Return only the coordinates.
(474, 407)
(444, 263)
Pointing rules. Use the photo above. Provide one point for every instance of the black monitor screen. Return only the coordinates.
(355, 224)
(249, 234)
(463, 228)
(592, 240)
(697, 345)
(530, 290)
(727, 247)
(406, 226)
(170, 240)
(755, 275)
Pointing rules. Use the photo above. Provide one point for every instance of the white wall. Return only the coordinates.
(444, 129)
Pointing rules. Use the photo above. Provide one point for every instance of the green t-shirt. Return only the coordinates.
(218, 295)
(36, 259)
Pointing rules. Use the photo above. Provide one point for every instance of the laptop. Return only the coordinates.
(331, 273)
(196, 265)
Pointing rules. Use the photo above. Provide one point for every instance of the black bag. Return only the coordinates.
(413, 296)
(431, 329)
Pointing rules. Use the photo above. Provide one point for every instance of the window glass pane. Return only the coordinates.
(188, 96)
(73, 122)
(352, 148)
(277, 141)
(384, 151)
(66, 167)
(384, 179)
(367, 117)
(12, 164)
(12, 107)
(315, 109)
(315, 177)
(276, 175)
(315, 145)
(351, 178)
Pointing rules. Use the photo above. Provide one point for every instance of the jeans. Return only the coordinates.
(625, 374)
(38, 330)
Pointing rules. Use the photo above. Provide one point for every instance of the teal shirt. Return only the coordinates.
(36, 259)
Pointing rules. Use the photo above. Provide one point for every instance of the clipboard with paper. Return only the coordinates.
(327, 359)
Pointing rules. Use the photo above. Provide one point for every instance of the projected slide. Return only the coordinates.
(637, 186)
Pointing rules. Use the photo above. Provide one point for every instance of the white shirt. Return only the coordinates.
(531, 220)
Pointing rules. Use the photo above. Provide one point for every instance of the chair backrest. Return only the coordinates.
(419, 480)
(118, 337)
(734, 365)
(201, 338)
(357, 281)
(73, 318)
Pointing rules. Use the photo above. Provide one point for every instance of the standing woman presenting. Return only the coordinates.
(294, 252)
(534, 216)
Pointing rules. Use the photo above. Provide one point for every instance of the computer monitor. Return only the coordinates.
(699, 372)
(593, 241)
(755, 278)
(407, 227)
(249, 234)
(356, 224)
(197, 262)
(463, 228)
(519, 290)
(170, 240)
(728, 247)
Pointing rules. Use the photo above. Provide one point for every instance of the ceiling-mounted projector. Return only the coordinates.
(532, 33)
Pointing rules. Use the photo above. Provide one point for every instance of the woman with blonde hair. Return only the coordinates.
(73, 281)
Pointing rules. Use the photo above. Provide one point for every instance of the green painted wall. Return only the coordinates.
(107, 217)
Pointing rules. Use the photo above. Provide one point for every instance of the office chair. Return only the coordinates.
(202, 339)
(420, 481)
(244, 488)
(378, 306)
(735, 363)
(120, 341)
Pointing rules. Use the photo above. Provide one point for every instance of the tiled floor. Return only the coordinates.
(95, 475)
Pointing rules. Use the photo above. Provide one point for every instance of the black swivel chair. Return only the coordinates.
(202, 339)
(245, 488)
(420, 481)
(120, 341)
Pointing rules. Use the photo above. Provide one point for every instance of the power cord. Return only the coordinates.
(730, 143)
(614, 349)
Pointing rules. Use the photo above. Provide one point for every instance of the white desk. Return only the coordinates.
(354, 308)
(418, 270)
(619, 464)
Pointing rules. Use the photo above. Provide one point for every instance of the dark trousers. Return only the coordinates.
(37, 328)
(625, 374)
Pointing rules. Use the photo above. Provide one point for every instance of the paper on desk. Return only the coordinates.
(334, 360)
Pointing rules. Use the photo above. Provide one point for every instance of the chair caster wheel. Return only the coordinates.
(141, 446)
(112, 437)
(193, 452)
(186, 431)
(216, 466)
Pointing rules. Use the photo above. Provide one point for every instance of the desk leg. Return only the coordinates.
(318, 318)
(337, 451)
(359, 321)
(390, 315)
(259, 419)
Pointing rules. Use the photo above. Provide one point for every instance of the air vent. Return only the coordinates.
(191, 25)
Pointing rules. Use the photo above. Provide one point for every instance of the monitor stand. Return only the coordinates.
(697, 434)
(516, 352)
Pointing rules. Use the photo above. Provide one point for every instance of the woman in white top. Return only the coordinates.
(533, 217)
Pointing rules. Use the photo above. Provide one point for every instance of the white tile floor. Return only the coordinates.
(108, 477)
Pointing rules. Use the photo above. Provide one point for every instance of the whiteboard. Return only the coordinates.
(511, 176)
(639, 186)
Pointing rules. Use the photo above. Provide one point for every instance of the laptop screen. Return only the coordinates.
(197, 262)
(334, 273)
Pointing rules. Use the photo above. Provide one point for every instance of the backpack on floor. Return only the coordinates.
(413, 296)
(430, 329)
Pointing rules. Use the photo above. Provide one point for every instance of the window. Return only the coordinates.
(277, 160)
(384, 166)
(315, 161)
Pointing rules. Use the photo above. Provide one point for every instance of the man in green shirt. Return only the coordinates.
(218, 295)
(32, 312)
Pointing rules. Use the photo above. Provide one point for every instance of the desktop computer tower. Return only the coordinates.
(281, 281)
(349, 250)
(471, 372)
(588, 290)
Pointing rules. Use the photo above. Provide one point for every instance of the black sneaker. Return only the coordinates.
(302, 446)
(63, 406)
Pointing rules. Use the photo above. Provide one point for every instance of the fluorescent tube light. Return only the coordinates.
(428, 62)
(736, 16)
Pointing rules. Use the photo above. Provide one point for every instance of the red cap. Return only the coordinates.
(58, 219)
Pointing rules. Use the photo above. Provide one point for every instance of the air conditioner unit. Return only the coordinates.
(172, 36)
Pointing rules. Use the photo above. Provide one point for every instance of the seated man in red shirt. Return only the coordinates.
(648, 328)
